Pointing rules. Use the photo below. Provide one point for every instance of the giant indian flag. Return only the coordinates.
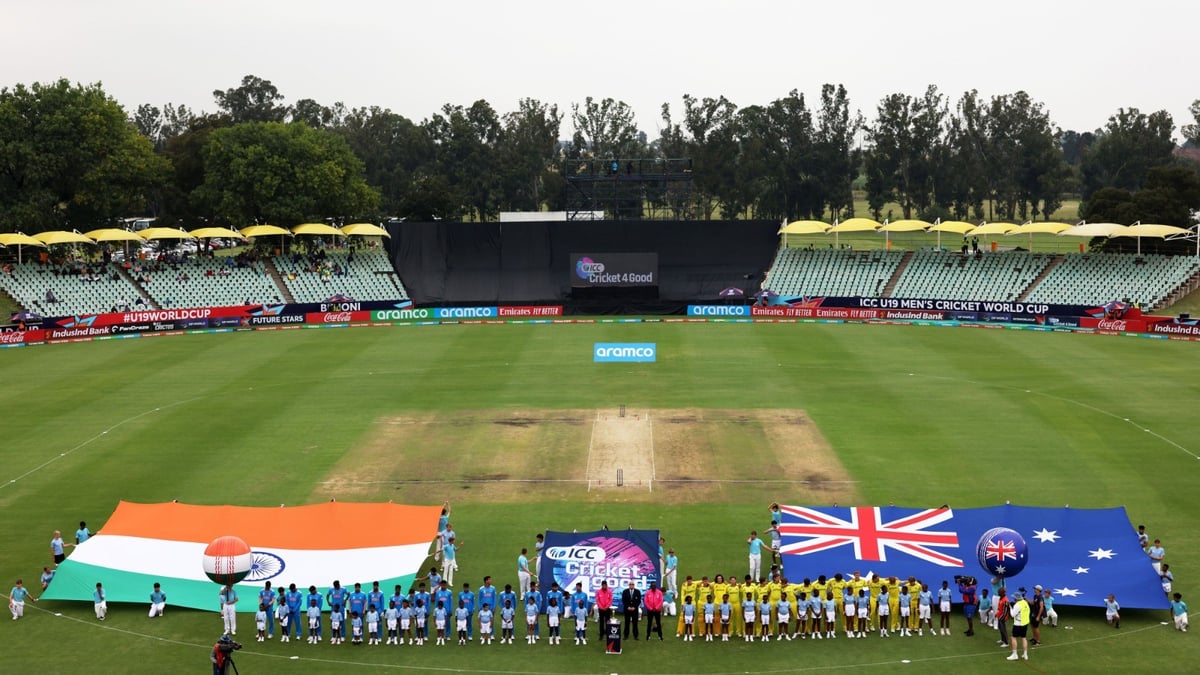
(303, 545)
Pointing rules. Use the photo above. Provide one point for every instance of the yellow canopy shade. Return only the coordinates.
(216, 232)
(992, 228)
(317, 228)
(855, 225)
(1153, 231)
(364, 230)
(804, 227)
(19, 239)
(1094, 230)
(62, 237)
(908, 225)
(1040, 228)
(164, 233)
(112, 234)
(264, 231)
(955, 226)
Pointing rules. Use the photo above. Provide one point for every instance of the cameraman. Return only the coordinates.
(966, 586)
(222, 654)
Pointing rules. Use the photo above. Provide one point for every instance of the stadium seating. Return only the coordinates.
(367, 276)
(836, 272)
(101, 290)
(992, 276)
(210, 282)
(1093, 279)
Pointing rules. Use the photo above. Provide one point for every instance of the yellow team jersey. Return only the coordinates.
(857, 585)
(875, 585)
(719, 591)
(688, 590)
(774, 592)
(703, 593)
(838, 588)
(820, 588)
(914, 589)
(806, 589)
(735, 596)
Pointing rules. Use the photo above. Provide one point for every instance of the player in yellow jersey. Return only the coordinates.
(874, 585)
(719, 589)
(735, 598)
(704, 592)
(914, 592)
(838, 585)
(893, 585)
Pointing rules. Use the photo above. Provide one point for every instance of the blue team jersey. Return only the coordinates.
(469, 598)
(375, 598)
(337, 598)
(487, 596)
(293, 600)
(358, 602)
(318, 598)
(266, 597)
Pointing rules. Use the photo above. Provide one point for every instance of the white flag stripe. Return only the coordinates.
(184, 560)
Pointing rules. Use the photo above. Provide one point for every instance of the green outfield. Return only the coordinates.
(495, 419)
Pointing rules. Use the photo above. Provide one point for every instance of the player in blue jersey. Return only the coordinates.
(267, 597)
(467, 596)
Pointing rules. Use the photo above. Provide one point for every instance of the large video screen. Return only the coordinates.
(602, 270)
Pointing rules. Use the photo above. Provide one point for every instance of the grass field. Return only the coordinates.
(912, 415)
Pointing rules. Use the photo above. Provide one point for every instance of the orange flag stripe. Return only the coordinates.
(326, 526)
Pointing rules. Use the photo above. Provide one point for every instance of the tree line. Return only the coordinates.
(71, 156)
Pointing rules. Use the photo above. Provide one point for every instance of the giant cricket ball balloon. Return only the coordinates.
(227, 560)
(1002, 552)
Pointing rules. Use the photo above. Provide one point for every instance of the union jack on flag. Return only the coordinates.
(807, 530)
(1001, 550)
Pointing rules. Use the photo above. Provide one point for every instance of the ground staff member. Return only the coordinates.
(1020, 614)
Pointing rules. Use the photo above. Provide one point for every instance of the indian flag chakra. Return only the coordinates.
(141, 544)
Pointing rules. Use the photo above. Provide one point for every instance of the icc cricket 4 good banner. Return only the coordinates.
(589, 558)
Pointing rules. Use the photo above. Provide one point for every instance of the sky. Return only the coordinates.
(1082, 60)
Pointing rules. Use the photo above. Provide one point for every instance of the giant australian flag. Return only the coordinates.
(1081, 555)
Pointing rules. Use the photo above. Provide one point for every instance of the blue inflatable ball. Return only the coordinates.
(1002, 552)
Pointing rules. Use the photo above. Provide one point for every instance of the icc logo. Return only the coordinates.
(592, 553)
